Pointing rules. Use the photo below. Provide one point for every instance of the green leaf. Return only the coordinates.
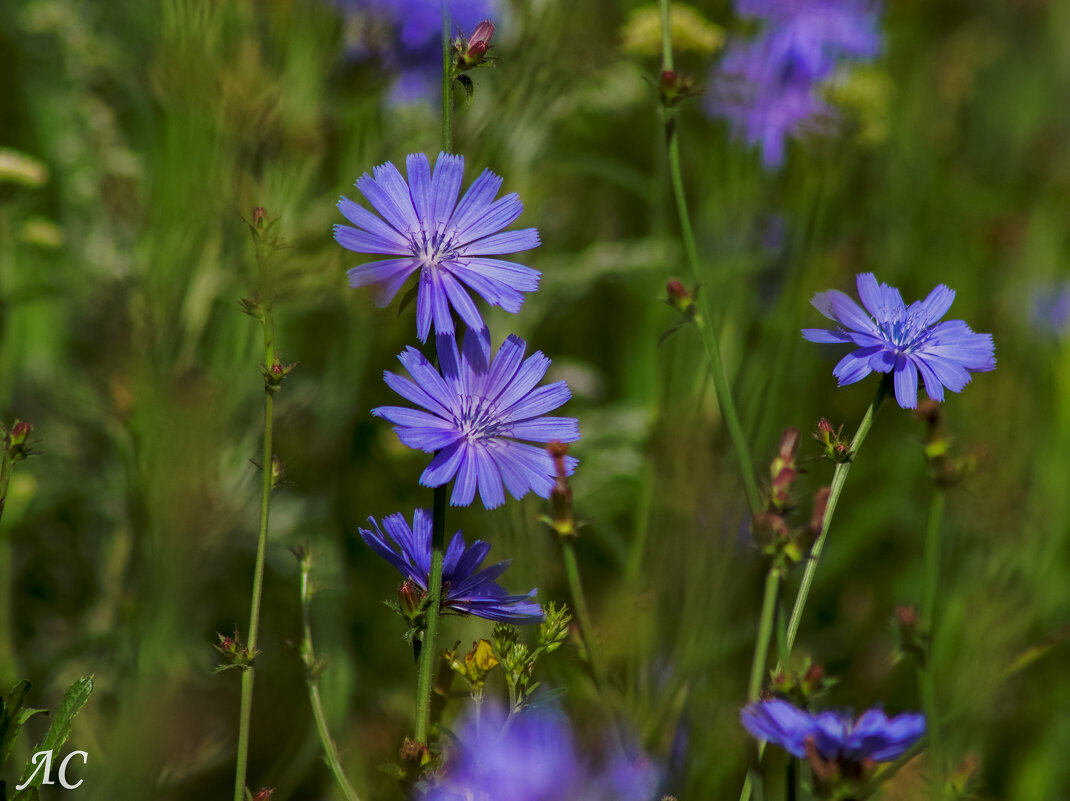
(11, 718)
(73, 701)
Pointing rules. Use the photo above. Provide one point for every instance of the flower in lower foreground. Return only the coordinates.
(904, 340)
(452, 246)
(533, 756)
(834, 736)
(476, 409)
(464, 590)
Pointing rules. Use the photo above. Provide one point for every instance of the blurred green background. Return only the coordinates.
(129, 542)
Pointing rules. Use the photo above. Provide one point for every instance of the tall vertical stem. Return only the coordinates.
(765, 633)
(703, 319)
(429, 648)
(248, 673)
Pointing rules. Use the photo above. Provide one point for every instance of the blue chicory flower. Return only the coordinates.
(535, 758)
(466, 590)
(405, 36)
(450, 245)
(768, 86)
(836, 736)
(904, 340)
(476, 409)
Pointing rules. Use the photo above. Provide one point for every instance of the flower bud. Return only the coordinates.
(837, 449)
(563, 523)
(264, 794)
(410, 599)
(259, 213)
(674, 86)
(472, 50)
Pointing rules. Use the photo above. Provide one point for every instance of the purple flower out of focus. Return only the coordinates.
(464, 590)
(769, 86)
(450, 245)
(904, 340)
(535, 758)
(406, 37)
(1050, 309)
(475, 411)
(837, 737)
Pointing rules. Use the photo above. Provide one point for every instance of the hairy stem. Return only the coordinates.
(312, 669)
(248, 673)
(703, 319)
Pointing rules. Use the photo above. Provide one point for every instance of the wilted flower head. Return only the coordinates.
(477, 408)
(405, 37)
(535, 758)
(450, 245)
(836, 736)
(466, 590)
(769, 86)
(904, 340)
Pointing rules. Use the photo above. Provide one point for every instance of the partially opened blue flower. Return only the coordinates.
(836, 736)
(466, 590)
(451, 246)
(474, 412)
(904, 340)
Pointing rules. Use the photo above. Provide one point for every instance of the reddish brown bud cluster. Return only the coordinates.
(801, 686)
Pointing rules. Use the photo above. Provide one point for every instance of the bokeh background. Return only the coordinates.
(128, 543)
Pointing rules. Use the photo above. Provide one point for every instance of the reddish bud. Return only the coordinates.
(563, 522)
(264, 794)
(674, 86)
(817, 514)
(259, 213)
(410, 598)
(20, 431)
(472, 50)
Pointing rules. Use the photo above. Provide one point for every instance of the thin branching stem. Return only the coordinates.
(579, 604)
(926, 621)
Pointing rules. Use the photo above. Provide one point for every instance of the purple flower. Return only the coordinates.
(464, 590)
(1050, 309)
(901, 339)
(476, 409)
(768, 86)
(451, 245)
(535, 758)
(405, 36)
(836, 736)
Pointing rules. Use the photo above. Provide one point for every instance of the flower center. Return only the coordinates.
(903, 332)
(432, 249)
(479, 418)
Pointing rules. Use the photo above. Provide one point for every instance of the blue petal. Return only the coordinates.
(506, 242)
(504, 366)
(780, 723)
(933, 388)
(524, 468)
(455, 552)
(444, 465)
(854, 366)
(494, 218)
(362, 218)
(386, 204)
(492, 291)
(423, 306)
(470, 561)
(547, 429)
(445, 184)
(490, 479)
(419, 172)
(363, 242)
(393, 184)
(530, 373)
(464, 487)
(539, 401)
(517, 276)
(825, 336)
(461, 301)
(377, 542)
(837, 306)
(428, 378)
(936, 305)
(905, 379)
(476, 200)
(411, 392)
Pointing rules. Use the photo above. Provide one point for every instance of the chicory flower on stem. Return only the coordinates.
(839, 747)
(903, 340)
(451, 246)
(466, 590)
(474, 412)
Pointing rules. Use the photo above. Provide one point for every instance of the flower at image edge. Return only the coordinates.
(465, 590)
(450, 245)
(904, 340)
(475, 410)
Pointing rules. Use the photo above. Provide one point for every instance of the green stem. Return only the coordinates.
(579, 604)
(703, 319)
(839, 478)
(245, 715)
(926, 618)
(429, 650)
(308, 655)
(447, 80)
(765, 631)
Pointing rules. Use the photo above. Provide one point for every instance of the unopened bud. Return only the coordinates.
(782, 470)
(472, 50)
(836, 447)
(410, 598)
(259, 213)
(264, 794)
(413, 751)
(817, 514)
(563, 523)
(15, 441)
